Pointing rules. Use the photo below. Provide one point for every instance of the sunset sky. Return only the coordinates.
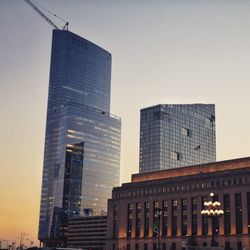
(169, 51)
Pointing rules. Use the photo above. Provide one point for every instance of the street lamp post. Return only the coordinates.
(212, 210)
(158, 212)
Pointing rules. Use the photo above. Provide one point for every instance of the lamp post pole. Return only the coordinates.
(212, 210)
(158, 211)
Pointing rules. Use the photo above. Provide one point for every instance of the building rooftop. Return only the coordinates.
(174, 105)
(214, 167)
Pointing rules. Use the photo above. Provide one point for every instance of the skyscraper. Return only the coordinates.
(177, 135)
(82, 144)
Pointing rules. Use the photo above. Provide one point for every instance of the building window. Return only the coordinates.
(238, 215)
(194, 216)
(175, 155)
(138, 219)
(154, 246)
(164, 218)
(164, 246)
(128, 247)
(136, 246)
(227, 245)
(183, 217)
(204, 218)
(145, 246)
(248, 211)
(146, 218)
(173, 246)
(185, 131)
(130, 220)
(239, 245)
(174, 217)
(227, 214)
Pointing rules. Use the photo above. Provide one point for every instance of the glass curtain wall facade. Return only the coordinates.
(177, 135)
(82, 143)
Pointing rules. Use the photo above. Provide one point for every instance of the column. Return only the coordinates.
(179, 217)
(232, 213)
(161, 217)
(244, 212)
(110, 221)
(199, 216)
(151, 216)
(133, 220)
(169, 234)
(189, 216)
(221, 219)
(123, 219)
(209, 231)
(142, 219)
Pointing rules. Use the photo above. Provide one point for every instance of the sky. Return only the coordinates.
(163, 51)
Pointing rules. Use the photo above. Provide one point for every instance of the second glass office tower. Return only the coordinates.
(177, 135)
(82, 144)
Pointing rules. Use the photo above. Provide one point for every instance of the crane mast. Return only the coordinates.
(33, 6)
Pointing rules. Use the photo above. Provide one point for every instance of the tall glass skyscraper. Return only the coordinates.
(82, 144)
(177, 135)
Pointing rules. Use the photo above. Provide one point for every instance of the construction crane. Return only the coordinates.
(33, 6)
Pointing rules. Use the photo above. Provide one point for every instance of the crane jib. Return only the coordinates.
(33, 6)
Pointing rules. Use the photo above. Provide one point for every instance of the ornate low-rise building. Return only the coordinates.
(134, 221)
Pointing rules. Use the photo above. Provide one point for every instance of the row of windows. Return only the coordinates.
(204, 111)
(160, 214)
(185, 187)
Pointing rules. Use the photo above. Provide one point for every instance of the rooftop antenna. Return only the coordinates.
(34, 7)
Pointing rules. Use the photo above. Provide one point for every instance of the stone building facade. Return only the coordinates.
(179, 194)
